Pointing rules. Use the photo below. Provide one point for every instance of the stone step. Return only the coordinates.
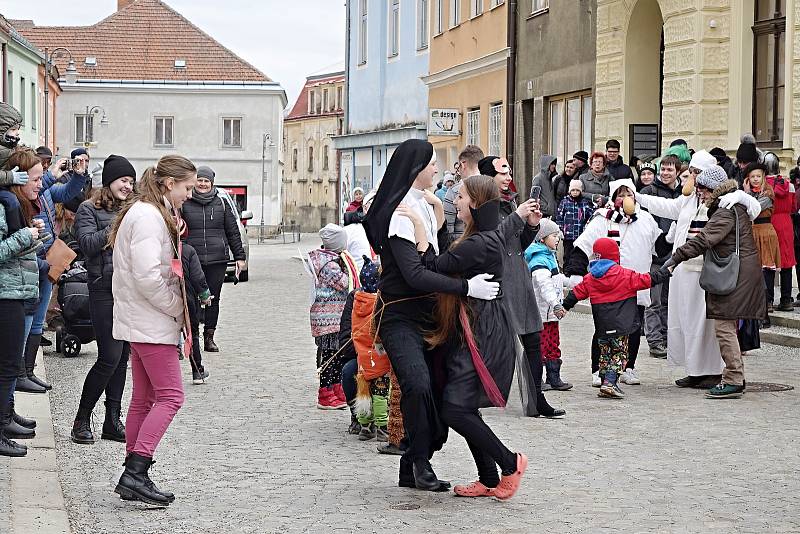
(787, 319)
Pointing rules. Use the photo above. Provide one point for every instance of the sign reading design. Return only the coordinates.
(444, 122)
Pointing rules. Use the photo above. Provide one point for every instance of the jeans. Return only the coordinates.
(45, 290)
(215, 276)
(156, 398)
(655, 315)
(12, 333)
(109, 371)
(21, 368)
(349, 379)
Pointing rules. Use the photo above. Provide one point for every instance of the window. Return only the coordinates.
(769, 79)
(455, 13)
(570, 125)
(33, 106)
(84, 129)
(422, 24)
(475, 9)
(310, 159)
(362, 32)
(325, 158)
(325, 100)
(394, 28)
(438, 17)
(163, 132)
(311, 97)
(232, 132)
(495, 3)
(23, 91)
(10, 85)
(339, 97)
(474, 127)
(495, 128)
(539, 5)
(294, 159)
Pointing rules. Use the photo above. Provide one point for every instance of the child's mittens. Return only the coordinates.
(572, 281)
(205, 297)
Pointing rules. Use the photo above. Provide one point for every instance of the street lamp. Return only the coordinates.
(266, 137)
(71, 73)
(91, 111)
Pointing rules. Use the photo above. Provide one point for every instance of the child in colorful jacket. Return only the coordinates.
(573, 213)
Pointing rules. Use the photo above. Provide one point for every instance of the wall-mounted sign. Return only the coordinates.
(444, 122)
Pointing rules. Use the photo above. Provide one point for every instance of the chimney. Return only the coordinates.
(122, 4)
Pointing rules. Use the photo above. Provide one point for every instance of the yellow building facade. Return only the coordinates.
(468, 64)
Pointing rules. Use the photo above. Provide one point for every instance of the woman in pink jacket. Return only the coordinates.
(149, 313)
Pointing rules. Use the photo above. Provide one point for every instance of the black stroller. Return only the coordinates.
(73, 298)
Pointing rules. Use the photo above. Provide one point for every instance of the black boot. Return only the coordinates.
(26, 385)
(10, 448)
(135, 485)
(82, 431)
(554, 375)
(208, 338)
(45, 342)
(407, 476)
(113, 429)
(21, 421)
(545, 410)
(16, 431)
(424, 477)
(355, 427)
(168, 494)
(31, 349)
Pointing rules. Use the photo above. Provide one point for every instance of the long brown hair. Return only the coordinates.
(104, 199)
(152, 188)
(24, 159)
(481, 189)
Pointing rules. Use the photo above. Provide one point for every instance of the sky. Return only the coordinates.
(287, 41)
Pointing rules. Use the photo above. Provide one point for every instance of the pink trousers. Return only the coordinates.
(156, 398)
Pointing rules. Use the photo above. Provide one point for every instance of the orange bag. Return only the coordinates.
(372, 359)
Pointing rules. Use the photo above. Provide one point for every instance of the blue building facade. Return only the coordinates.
(386, 102)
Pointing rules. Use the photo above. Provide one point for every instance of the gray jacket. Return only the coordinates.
(595, 185)
(455, 227)
(547, 200)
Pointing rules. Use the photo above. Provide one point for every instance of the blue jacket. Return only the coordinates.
(54, 192)
(573, 215)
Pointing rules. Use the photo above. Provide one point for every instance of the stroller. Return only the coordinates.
(73, 298)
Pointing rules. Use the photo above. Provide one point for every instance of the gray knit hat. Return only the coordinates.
(712, 177)
(334, 237)
(546, 228)
(204, 171)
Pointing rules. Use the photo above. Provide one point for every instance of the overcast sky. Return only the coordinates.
(286, 40)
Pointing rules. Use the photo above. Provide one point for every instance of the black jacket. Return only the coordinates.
(93, 226)
(619, 169)
(346, 330)
(658, 189)
(212, 231)
(193, 274)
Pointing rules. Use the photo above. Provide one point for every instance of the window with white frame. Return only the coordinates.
(422, 24)
(163, 131)
(495, 3)
(394, 28)
(84, 129)
(474, 126)
(362, 32)
(438, 17)
(23, 91)
(325, 101)
(475, 8)
(495, 128)
(33, 106)
(570, 125)
(339, 94)
(455, 13)
(232, 132)
(294, 159)
(539, 5)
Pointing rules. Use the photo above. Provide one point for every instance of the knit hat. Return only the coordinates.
(648, 166)
(678, 142)
(581, 155)
(712, 177)
(718, 153)
(575, 184)
(115, 167)
(606, 249)
(78, 152)
(546, 228)
(204, 171)
(746, 153)
(334, 238)
(369, 276)
(702, 160)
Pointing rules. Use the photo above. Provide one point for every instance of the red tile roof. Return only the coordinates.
(142, 42)
(300, 108)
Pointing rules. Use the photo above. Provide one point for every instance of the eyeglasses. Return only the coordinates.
(701, 187)
(694, 170)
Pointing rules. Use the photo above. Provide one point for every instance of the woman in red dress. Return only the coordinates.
(782, 221)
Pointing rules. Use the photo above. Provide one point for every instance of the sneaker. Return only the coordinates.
(390, 448)
(689, 381)
(367, 433)
(327, 400)
(725, 391)
(199, 377)
(596, 381)
(630, 377)
(659, 351)
(355, 428)
(382, 434)
(609, 390)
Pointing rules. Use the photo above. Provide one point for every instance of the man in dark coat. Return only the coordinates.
(615, 164)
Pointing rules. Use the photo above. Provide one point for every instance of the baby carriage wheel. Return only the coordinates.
(71, 345)
(59, 339)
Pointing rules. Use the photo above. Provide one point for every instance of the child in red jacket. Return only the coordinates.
(611, 289)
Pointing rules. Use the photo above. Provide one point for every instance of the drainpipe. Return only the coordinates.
(346, 104)
(5, 70)
(511, 74)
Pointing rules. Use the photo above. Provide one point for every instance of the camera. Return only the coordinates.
(70, 164)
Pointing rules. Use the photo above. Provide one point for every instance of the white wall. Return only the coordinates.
(23, 64)
(197, 130)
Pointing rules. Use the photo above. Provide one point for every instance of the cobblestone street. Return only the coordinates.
(249, 452)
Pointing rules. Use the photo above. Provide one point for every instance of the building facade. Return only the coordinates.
(22, 86)
(554, 82)
(147, 98)
(310, 170)
(386, 102)
(467, 78)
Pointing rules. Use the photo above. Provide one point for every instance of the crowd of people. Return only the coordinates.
(431, 298)
(153, 252)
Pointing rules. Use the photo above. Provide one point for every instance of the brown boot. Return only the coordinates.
(208, 337)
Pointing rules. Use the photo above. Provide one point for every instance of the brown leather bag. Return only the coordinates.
(59, 257)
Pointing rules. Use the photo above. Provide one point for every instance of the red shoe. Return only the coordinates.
(338, 390)
(476, 489)
(509, 484)
(327, 400)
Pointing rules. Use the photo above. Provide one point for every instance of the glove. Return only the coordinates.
(481, 288)
(20, 177)
(731, 199)
(671, 233)
(573, 281)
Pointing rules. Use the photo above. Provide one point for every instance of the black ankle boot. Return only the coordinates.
(16, 431)
(135, 484)
(20, 420)
(545, 410)
(113, 429)
(10, 448)
(424, 477)
(168, 494)
(82, 431)
(31, 349)
(208, 338)
(26, 385)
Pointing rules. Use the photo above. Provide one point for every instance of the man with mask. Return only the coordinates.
(10, 123)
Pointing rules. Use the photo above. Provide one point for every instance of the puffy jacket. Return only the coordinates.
(548, 283)
(573, 215)
(93, 226)
(9, 118)
(148, 302)
(619, 169)
(193, 274)
(57, 193)
(19, 274)
(212, 230)
(547, 199)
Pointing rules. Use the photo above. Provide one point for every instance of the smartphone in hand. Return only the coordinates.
(536, 192)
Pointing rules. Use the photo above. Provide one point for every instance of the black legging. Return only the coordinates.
(108, 372)
(634, 340)
(786, 285)
(485, 446)
(196, 357)
(12, 334)
(215, 276)
(531, 343)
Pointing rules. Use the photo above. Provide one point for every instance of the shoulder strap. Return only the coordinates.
(736, 213)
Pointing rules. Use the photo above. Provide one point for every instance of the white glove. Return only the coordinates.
(671, 233)
(573, 281)
(20, 177)
(481, 288)
(740, 197)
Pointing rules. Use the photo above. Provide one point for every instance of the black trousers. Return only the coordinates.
(12, 343)
(785, 281)
(569, 246)
(486, 448)
(193, 306)
(531, 343)
(215, 276)
(109, 371)
(634, 341)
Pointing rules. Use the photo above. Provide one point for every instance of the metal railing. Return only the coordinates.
(284, 233)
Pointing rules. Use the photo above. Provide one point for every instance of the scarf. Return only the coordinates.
(204, 198)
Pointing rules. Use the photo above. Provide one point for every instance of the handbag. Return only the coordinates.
(721, 275)
(59, 256)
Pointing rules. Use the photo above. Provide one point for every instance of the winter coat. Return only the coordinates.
(548, 283)
(618, 169)
(782, 219)
(9, 117)
(57, 193)
(348, 350)
(19, 274)
(193, 275)
(573, 215)
(454, 225)
(212, 230)
(354, 206)
(561, 186)
(547, 199)
(595, 185)
(747, 301)
(148, 301)
(658, 189)
(93, 227)
(331, 284)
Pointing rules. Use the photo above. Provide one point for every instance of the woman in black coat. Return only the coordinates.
(214, 234)
(93, 222)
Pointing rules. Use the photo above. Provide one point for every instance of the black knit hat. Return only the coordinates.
(678, 142)
(486, 166)
(718, 153)
(746, 153)
(581, 155)
(115, 167)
